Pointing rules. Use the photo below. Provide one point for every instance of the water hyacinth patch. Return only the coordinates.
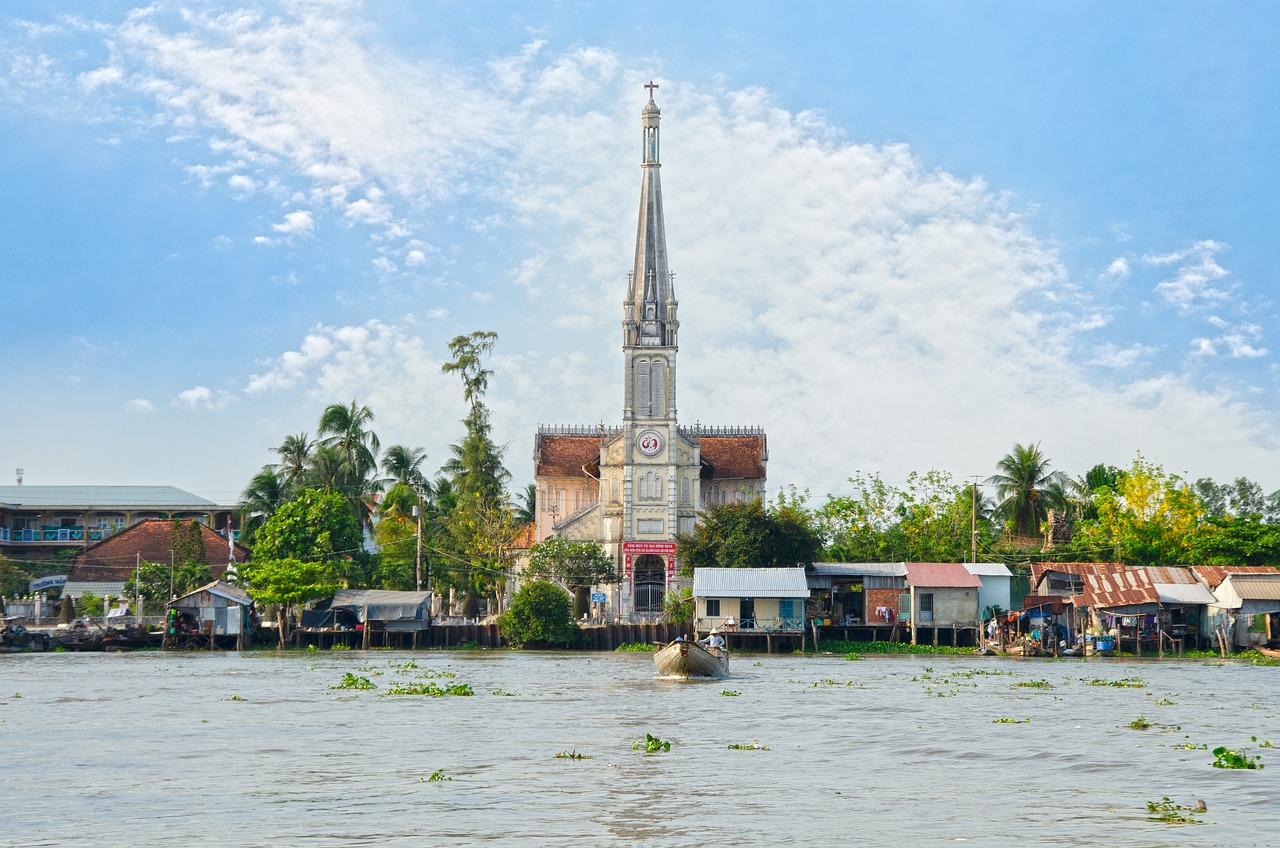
(1033, 684)
(1122, 683)
(729, 693)
(1007, 720)
(1168, 812)
(650, 744)
(750, 746)
(350, 681)
(430, 689)
(572, 755)
(1226, 758)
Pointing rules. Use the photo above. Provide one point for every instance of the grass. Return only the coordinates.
(837, 646)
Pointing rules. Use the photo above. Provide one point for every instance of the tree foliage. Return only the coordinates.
(151, 580)
(927, 520)
(315, 527)
(540, 616)
(1026, 488)
(571, 564)
(1150, 519)
(746, 535)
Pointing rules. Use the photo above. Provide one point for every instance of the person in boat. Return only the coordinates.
(712, 640)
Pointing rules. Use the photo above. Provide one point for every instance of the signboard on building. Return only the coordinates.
(48, 582)
(599, 597)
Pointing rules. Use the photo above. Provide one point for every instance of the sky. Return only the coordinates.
(907, 235)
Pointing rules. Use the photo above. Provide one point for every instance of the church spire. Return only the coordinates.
(650, 308)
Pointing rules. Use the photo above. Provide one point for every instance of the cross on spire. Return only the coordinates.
(651, 85)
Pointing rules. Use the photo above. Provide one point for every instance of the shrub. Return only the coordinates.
(540, 616)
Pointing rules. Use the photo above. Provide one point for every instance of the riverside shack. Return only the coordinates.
(213, 616)
(384, 615)
(750, 602)
(943, 595)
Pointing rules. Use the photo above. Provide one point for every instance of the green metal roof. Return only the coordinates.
(168, 498)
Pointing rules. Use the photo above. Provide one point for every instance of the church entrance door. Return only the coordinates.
(650, 583)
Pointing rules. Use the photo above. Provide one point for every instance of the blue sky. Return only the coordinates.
(906, 235)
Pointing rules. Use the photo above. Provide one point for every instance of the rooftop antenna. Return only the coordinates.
(18, 472)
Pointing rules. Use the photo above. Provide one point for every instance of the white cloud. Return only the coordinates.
(296, 223)
(1117, 270)
(139, 406)
(203, 398)
(414, 258)
(241, 186)
(1196, 283)
(1109, 355)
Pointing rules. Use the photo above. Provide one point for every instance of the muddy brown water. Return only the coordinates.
(257, 749)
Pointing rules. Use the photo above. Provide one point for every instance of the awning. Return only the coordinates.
(1184, 594)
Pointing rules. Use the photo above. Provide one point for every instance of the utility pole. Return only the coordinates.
(137, 587)
(171, 574)
(417, 571)
(973, 523)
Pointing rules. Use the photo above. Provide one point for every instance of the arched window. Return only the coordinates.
(659, 397)
(684, 490)
(642, 389)
(615, 489)
(643, 493)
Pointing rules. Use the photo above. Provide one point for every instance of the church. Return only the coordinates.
(633, 487)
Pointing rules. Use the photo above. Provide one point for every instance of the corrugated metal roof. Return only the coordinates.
(1213, 575)
(96, 588)
(860, 569)
(951, 575)
(1130, 587)
(1256, 587)
(988, 569)
(223, 590)
(97, 497)
(1039, 569)
(750, 583)
(1183, 593)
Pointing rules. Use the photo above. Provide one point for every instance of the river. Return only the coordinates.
(257, 749)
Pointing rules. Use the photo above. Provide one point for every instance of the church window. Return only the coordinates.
(642, 389)
(615, 489)
(659, 407)
(684, 490)
(643, 494)
(724, 496)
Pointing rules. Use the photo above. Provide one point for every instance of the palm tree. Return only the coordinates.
(258, 501)
(346, 427)
(404, 465)
(1026, 488)
(527, 511)
(294, 452)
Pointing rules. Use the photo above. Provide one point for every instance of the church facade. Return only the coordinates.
(633, 487)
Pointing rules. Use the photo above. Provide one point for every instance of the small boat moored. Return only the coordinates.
(683, 658)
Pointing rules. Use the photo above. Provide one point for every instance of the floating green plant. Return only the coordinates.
(1165, 702)
(338, 646)
(235, 697)
(853, 656)
(729, 693)
(637, 647)
(1226, 758)
(650, 744)
(350, 681)
(1140, 723)
(437, 776)
(1007, 720)
(1033, 684)
(750, 746)
(430, 689)
(504, 693)
(1121, 683)
(572, 755)
(1168, 812)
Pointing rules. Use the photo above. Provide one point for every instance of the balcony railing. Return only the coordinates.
(55, 534)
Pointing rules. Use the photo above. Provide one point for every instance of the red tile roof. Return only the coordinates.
(114, 558)
(565, 456)
(1213, 575)
(733, 457)
(948, 575)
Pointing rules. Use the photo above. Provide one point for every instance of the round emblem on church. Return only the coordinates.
(649, 442)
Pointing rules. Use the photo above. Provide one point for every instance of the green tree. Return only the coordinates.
(745, 535)
(287, 583)
(295, 456)
(346, 431)
(577, 566)
(314, 527)
(187, 542)
(929, 519)
(540, 616)
(258, 501)
(679, 606)
(159, 582)
(1024, 484)
(1150, 519)
(1235, 540)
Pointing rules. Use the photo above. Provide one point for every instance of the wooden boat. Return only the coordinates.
(1269, 652)
(689, 659)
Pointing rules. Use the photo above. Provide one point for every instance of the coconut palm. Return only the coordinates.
(527, 511)
(347, 428)
(258, 501)
(294, 452)
(404, 465)
(1025, 486)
